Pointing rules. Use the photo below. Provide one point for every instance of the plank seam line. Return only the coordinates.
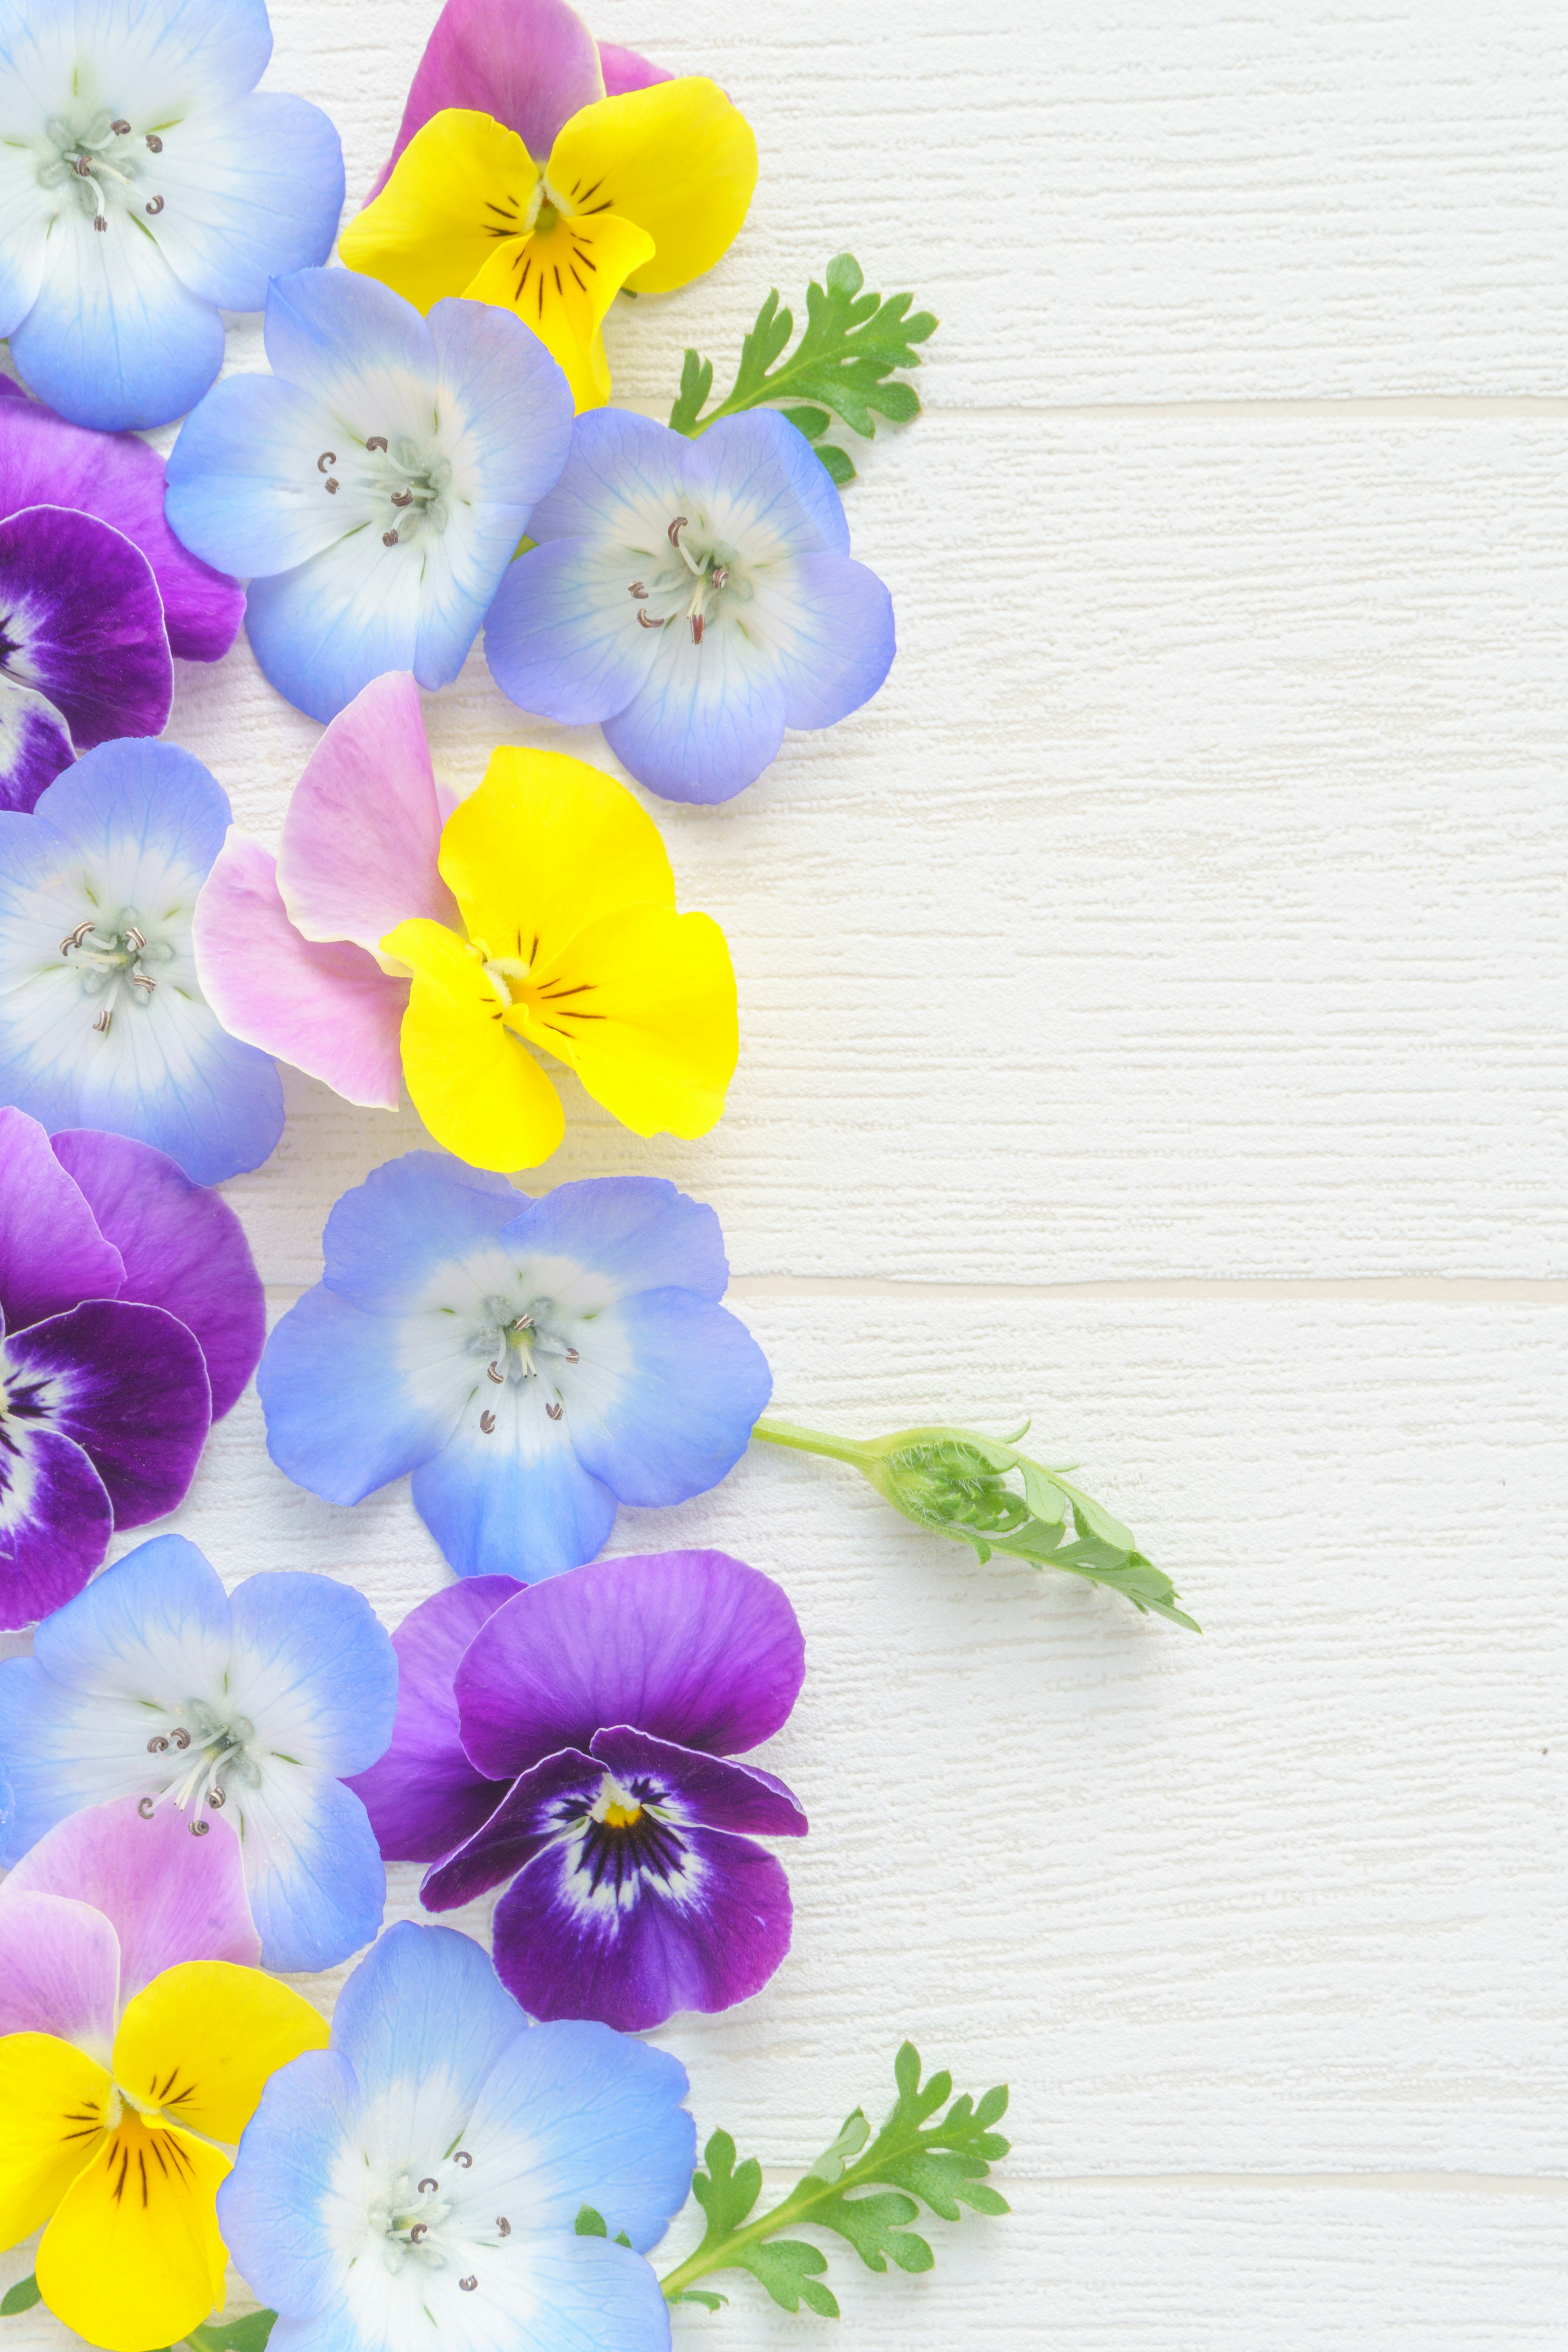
(1439, 407)
(1417, 1289)
(1448, 2184)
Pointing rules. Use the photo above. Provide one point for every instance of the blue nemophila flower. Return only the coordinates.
(146, 186)
(103, 1022)
(694, 597)
(418, 2182)
(156, 1684)
(534, 1363)
(374, 487)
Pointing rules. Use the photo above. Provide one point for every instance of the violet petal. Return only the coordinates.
(35, 745)
(53, 1252)
(129, 1385)
(700, 1789)
(81, 621)
(531, 1816)
(60, 1971)
(531, 63)
(56, 1519)
(709, 1933)
(119, 479)
(182, 1246)
(425, 1797)
(692, 1646)
(625, 70)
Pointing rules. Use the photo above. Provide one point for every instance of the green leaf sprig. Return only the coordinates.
(955, 1482)
(850, 347)
(918, 2156)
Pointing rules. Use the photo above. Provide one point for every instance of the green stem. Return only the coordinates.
(812, 1441)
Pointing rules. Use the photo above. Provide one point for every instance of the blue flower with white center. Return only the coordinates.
(146, 186)
(533, 1363)
(695, 598)
(417, 2183)
(373, 488)
(153, 1683)
(102, 1021)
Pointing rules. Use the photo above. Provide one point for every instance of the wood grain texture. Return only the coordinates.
(1185, 910)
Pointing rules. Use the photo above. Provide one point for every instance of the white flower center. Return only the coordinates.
(208, 1750)
(521, 1342)
(414, 2223)
(707, 581)
(111, 956)
(403, 481)
(99, 156)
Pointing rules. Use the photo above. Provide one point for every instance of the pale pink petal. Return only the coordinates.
(329, 1010)
(60, 1969)
(168, 1894)
(625, 70)
(531, 63)
(364, 829)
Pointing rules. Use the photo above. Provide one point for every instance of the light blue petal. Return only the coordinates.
(562, 638)
(830, 624)
(351, 340)
(314, 1650)
(114, 339)
(684, 1418)
(389, 1236)
(515, 1501)
(710, 718)
(341, 1417)
(169, 58)
(323, 631)
(423, 2021)
(640, 1230)
(244, 492)
(575, 2114)
(312, 1869)
(126, 797)
(251, 190)
(277, 2207)
(759, 468)
(623, 481)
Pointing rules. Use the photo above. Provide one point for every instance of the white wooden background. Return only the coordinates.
(1149, 1012)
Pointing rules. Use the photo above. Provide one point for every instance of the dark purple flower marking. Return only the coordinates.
(599, 1707)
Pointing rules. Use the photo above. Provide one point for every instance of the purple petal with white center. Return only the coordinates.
(760, 473)
(128, 1384)
(708, 720)
(562, 636)
(53, 1252)
(183, 1249)
(56, 1518)
(623, 480)
(703, 1925)
(81, 622)
(641, 1232)
(329, 1010)
(684, 1417)
(691, 1646)
(168, 1895)
(322, 631)
(538, 1808)
(530, 63)
(625, 70)
(425, 1797)
(363, 830)
(704, 1790)
(114, 475)
(60, 1971)
(35, 745)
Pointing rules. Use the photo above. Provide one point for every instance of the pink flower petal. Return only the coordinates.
(168, 1895)
(329, 1010)
(625, 70)
(364, 829)
(60, 1969)
(531, 63)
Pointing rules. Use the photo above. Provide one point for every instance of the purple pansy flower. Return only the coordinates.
(573, 1736)
(695, 598)
(96, 594)
(131, 1314)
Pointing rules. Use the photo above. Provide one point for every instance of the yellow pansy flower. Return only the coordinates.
(571, 943)
(646, 191)
(120, 2161)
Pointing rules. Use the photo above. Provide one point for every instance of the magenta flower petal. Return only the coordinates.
(536, 1808)
(329, 1010)
(183, 1248)
(60, 1969)
(425, 1797)
(691, 1646)
(169, 1896)
(531, 63)
(53, 1253)
(116, 478)
(707, 1934)
(625, 70)
(35, 745)
(129, 1385)
(704, 1789)
(56, 1518)
(81, 622)
(362, 831)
